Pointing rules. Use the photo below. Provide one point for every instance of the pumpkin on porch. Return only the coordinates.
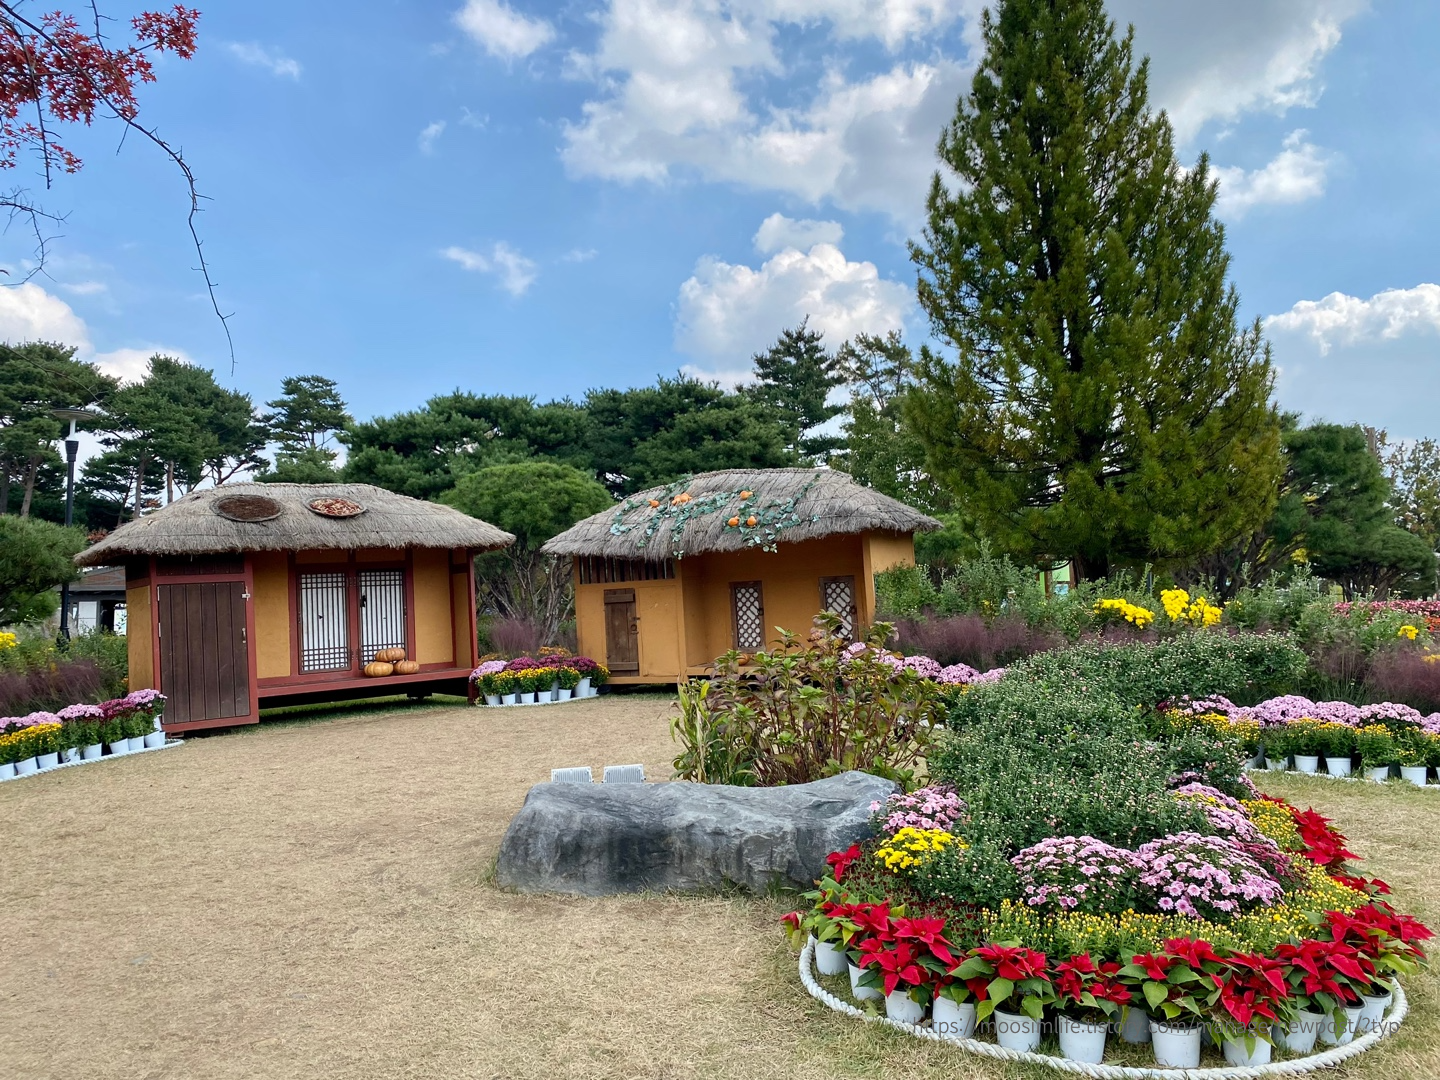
(406, 667)
(378, 669)
(390, 656)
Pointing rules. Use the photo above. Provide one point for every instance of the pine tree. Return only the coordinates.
(1102, 403)
(795, 377)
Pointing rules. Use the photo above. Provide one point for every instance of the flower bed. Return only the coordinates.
(548, 680)
(78, 733)
(1090, 861)
(1331, 738)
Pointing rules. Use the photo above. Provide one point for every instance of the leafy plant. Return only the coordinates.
(808, 710)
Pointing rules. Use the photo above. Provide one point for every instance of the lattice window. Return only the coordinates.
(382, 612)
(747, 609)
(837, 596)
(324, 622)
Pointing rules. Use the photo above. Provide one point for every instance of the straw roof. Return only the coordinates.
(787, 505)
(192, 525)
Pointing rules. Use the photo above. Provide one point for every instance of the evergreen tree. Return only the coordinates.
(302, 421)
(1102, 403)
(795, 377)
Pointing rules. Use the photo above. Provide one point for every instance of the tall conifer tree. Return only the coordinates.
(1101, 402)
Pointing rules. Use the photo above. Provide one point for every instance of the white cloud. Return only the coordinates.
(778, 231)
(579, 255)
(502, 31)
(1224, 58)
(279, 65)
(429, 134)
(697, 87)
(728, 312)
(1349, 320)
(29, 313)
(1297, 173)
(85, 288)
(514, 271)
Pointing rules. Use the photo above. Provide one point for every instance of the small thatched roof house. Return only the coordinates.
(671, 578)
(267, 593)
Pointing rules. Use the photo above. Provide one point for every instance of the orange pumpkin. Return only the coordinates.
(746, 494)
(734, 522)
(654, 502)
(406, 667)
(390, 656)
(378, 669)
(750, 521)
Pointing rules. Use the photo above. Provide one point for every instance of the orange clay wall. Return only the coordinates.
(658, 609)
(139, 636)
(434, 623)
(270, 598)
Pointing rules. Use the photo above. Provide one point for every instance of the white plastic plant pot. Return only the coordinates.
(583, 690)
(830, 958)
(1415, 774)
(91, 752)
(492, 699)
(1276, 764)
(159, 723)
(952, 1019)
(70, 756)
(527, 698)
(154, 739)
(902, 1008)
(1298, 1036)
(507, 699)
(1135, 1028)
(542, 696)
(1372, 1011)
(48, 761)
(563, 693)
(7, 771)
(26, 767)
(1237, 1053)
(1307, 763)
(137, 742)
(1083, 1040)
(1339, 1030)
(1176, 1045)
(862, 993)
(1015, 1031)
(1378, 773)
(1338, 766)
(121, 746)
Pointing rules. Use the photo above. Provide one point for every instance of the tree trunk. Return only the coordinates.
(30, 472)
(169, 482)
(4, 486)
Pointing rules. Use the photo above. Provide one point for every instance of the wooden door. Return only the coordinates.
(622, 632)
(204, 657)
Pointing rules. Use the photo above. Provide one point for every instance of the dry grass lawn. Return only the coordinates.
(312, 900)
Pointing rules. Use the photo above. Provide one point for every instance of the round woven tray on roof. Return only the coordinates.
(247, 508)
(334, 507)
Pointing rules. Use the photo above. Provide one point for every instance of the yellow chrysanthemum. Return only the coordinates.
(910, 847)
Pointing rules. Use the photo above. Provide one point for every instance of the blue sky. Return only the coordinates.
(535, 198)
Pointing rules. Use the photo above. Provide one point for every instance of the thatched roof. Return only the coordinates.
(191, 525)
(787, 505)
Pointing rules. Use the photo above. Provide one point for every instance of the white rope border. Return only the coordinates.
(91, 761)
(1296, 1067)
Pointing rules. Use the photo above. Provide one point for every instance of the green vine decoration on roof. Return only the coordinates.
(758, 521)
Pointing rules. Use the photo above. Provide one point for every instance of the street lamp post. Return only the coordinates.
(72, 450)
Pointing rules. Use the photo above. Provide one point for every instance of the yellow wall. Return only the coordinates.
(434, 629)
(689, 618)
(883, 551)
(459, 607)
(271, 599)
(139, 637)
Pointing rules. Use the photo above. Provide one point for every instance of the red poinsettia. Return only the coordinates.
(1152, 966)
(1086, 988)
(1369, 886)
(998, 973)
(840, 861)
(928, 933)
(1324, 974)
(1250, 986)
(1324, 844)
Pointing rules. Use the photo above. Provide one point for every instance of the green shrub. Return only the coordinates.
(1376, 744)
(805, 711)
(980, 874)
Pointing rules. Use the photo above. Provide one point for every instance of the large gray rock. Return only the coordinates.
(598, 839)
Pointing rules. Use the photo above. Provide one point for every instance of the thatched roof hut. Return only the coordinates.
(790, 505)
(200, 524)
